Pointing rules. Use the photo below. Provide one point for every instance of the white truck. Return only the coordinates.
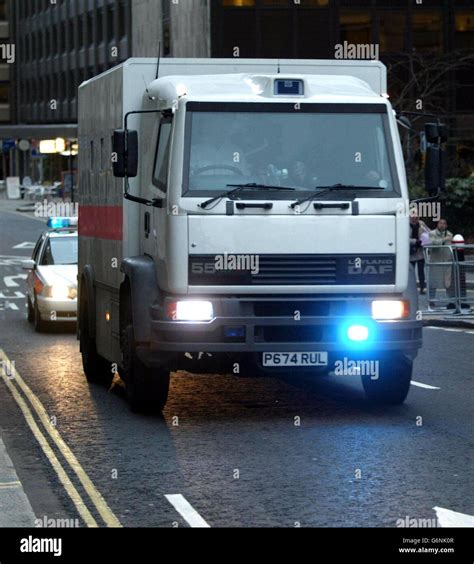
(245, 216)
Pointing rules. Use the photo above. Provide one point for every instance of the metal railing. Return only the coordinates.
(450, 278)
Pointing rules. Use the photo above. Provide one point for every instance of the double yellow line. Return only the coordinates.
(11, 377)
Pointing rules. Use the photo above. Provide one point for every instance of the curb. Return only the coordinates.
(15, 507)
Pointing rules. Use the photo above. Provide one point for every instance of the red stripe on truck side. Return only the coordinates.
(102, 222)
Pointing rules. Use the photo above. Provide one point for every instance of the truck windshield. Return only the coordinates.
(301, 149)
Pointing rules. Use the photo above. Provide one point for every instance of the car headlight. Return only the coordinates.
(60, 292)
(390, 309)
(190, 310)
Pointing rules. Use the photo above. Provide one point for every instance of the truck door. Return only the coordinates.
(154, 218)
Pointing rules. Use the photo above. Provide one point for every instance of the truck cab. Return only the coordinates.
(264, 227)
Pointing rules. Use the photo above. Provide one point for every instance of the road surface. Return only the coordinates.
(230, 451)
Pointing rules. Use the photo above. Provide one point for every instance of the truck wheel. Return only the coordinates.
(147, 388)
(96, 368)
(393, 382)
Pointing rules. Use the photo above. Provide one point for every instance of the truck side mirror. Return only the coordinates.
(125, 149)
(435, 175)
(404, 122)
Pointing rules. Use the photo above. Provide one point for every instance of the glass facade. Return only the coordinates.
(409, 36)
(59, 45)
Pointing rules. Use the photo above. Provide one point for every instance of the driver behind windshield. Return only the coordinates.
(300, 176)
(215, 151)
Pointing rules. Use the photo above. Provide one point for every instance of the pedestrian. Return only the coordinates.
(440, 252)
(458, 255)
(418, 229)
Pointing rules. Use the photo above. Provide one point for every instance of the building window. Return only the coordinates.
(90, 27)
(356, 26)
(80, 31)
(110, 24)
(122, 20)
(392, 31)
(464, 30)
(100, 26)
(4, 93)
(315, 3)
(166, 29)
(427, 31)
(276, 38)
(238, 3)
(465, 89)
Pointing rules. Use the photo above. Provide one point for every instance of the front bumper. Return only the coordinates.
(283, 324)
(57, 310)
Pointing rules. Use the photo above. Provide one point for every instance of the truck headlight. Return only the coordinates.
(390, 309)
(190, 310)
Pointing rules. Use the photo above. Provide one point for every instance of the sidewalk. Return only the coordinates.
(27, 206)
(15, 508)
(443, 317)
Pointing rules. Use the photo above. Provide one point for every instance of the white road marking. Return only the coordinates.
(25, 245)
(421, 385)
(10, 280)
(18, 295)
(6, 260)
(186, 510)
(8, 485)
(8, 305)
(448, 518)
(451, 329)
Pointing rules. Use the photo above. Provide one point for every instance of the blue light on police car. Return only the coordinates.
(358, 333)
(61, 222)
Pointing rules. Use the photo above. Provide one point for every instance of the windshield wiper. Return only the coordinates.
(321, 190)
(241, 187)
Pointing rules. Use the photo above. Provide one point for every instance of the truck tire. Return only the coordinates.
(393, 382)
(96, 368)
(147, 388)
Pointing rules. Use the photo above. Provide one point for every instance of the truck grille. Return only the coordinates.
(294, 270)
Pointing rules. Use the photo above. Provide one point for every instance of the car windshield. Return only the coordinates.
(301, 150)
(60, 250)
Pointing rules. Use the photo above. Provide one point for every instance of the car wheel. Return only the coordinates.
(393, 382)
(39, 324)
(147, 388)
(31, 311)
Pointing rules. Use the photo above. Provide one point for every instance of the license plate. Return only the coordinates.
(295, 359)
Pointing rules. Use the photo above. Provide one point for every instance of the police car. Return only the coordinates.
(52, 275)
